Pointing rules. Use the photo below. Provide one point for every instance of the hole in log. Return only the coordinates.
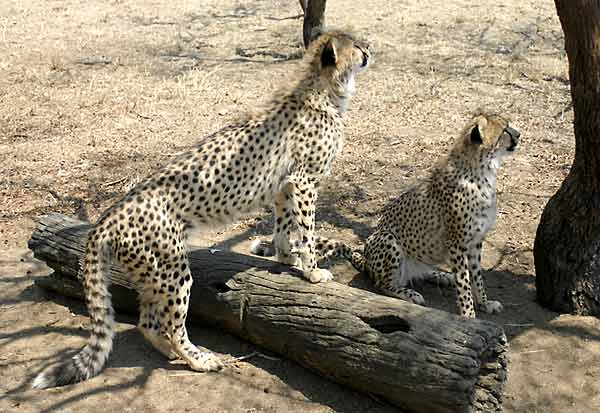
(387, 324)
(221, 287)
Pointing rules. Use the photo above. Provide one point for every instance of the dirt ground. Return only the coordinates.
(95, 94)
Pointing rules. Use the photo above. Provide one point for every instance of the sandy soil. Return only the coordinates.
(95, 94)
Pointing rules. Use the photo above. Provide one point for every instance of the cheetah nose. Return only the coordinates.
(515, 134)
(514, 138)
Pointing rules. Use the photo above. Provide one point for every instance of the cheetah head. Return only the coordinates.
(336, 57)
(489, 138)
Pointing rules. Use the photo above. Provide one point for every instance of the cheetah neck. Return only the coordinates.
(326, 95)
(482, 170)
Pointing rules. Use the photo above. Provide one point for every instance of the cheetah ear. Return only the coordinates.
(329, 54)
(476, 138)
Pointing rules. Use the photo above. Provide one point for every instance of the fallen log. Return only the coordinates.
(418, 358)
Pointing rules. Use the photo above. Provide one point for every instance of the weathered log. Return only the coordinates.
(418, 358)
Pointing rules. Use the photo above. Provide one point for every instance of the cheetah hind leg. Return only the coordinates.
(262, 248)
(387, 268)
(284, 250)
(173, 308)
(280, 245)
(198, 360)
(148, 326)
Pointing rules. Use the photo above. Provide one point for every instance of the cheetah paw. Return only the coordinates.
(320, 275)
(468, 314)
(206, 361)
(491, 307)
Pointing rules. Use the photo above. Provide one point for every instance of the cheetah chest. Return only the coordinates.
(319, 146)
(485, 218)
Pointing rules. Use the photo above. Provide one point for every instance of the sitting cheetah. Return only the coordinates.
(280, 155)
(440, 220)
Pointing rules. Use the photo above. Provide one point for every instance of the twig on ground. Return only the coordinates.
(230, 361)
(530, 351)
(297, 16)
(253, 354)
(142, 116)
(264, 356)
(236, 359)
(115, 182)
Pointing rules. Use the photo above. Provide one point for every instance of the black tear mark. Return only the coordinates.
(387, 324)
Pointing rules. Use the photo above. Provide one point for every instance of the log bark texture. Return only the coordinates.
(567, 242)
(418, 358)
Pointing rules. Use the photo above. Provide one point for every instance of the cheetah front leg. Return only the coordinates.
(489, 306)
(464, 296)
(281, 244)
(283, 230)
(301, 193)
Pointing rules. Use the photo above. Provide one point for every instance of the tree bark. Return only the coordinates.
(567, 243)
(314, 17)
(303, 5)
(418, 358)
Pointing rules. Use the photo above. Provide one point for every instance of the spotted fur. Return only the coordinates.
(277, 156)
(440, 220)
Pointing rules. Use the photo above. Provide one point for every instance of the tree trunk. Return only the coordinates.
(303, 5)
(567, 243)
(314, 17)
(418, 358)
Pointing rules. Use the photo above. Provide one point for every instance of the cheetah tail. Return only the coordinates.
(90, 360)
(358, 261)
(332, 248)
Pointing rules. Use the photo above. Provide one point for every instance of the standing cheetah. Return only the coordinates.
(440, 220)
(279, 155)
